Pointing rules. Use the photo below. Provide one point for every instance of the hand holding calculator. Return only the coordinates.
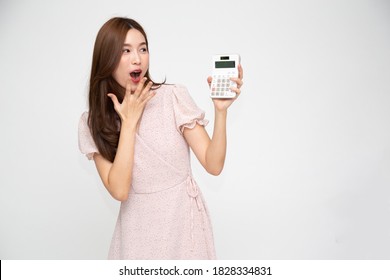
(224, 68)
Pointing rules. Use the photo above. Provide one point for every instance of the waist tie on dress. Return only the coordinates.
(193, 193)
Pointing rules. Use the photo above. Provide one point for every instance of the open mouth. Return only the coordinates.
(136, 75)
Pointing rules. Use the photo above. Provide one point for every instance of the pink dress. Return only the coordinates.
(165, 216)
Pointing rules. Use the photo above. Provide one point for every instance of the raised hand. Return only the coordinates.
(131, 109)
(224, 103)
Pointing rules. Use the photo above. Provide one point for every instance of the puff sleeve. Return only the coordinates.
(86, 144)
(187, 113)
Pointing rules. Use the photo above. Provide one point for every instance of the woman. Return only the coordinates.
(138, 133)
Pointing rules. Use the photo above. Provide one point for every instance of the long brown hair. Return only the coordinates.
(103, 121)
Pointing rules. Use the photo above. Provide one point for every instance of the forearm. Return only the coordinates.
(120, 175)
(216, 151)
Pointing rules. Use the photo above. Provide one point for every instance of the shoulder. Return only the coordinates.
(83, 122)
(84, 115)
(86, 143)
(173, 92)
(171, 88)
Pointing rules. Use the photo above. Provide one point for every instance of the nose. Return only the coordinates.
(136, 58)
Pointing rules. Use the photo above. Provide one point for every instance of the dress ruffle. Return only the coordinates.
(187, 113)
(193, 123)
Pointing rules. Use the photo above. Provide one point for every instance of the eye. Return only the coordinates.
(144, 50)
(125, 50)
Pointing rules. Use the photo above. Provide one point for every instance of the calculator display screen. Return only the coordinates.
(225, 64)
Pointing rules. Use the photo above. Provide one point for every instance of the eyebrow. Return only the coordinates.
(129, 45)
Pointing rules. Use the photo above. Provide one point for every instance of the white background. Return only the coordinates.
(307, 174)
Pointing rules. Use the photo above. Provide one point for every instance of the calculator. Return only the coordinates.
(224, 67)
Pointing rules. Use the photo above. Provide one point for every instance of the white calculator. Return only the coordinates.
(224, 67)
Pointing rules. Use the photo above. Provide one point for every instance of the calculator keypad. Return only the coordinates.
(221, 84)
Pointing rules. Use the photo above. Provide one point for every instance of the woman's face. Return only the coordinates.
(134, 62)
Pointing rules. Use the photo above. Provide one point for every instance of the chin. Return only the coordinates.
(133, 88)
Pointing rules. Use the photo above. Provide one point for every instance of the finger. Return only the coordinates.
(149, 96)
(146, 90)
(140, 87)
(238, 81)
(236, 90)
(240, 72)
(128, 87)
(209, 80)
(114, 100)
